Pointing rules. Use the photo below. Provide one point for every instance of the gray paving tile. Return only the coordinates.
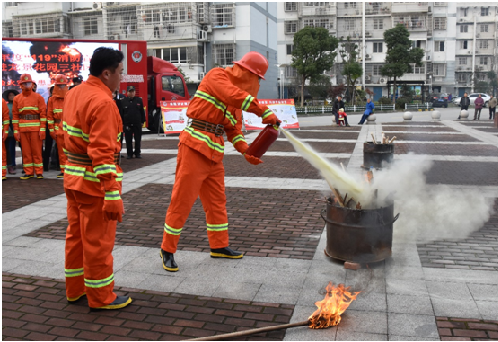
(405, 273)
(237, 290)
(411, 338)
(278, 294)
(484, 292)
(345, 335)
(413, 325)
(196, 287)
(416, 305)
(488, 310)
(364, 322)
(162, 283)
(449, 290)
(451, 307)
(408, 287)
(128, 279)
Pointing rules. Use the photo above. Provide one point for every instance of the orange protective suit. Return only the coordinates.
(29, 115)
(55, 118)
(5, 133)
(92, 127)
(220, 99)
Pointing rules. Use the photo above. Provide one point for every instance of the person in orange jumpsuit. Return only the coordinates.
(92, 181)
(54, 116)
(29, 117)
(215, 109)
(5, 134)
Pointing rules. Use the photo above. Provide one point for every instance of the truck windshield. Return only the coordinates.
(174, 84)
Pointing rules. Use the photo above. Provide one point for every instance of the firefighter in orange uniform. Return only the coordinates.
(5, 134)
(54, 116)
(92, 181)
(215, 109)
(29, 117)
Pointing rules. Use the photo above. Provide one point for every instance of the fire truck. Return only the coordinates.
(154, 79)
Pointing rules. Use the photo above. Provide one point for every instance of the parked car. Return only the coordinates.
(473, 97)
(440, 102)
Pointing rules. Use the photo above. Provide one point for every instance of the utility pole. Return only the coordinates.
(364, 47)
(473, 53)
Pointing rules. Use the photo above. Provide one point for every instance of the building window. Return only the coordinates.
(462, 61)
(377, 47)
(349, 24)
(314, 4)
(484, 28)
(290, 72)
(175, 55)
(318, 22)
(418, 70)
(439, 23)
(465, 11)
(483, 44)
(378, 24)
(290, 48)
(464, 45)
(416, 44)
(439, 69)
(223, 15)
(483, 60)
(291, 6)
(439, 46)
(440, 4)
(223, 54)
(129, 25)
(90, 26)
(484, 11)
(461, 77)
(464, 28)
(376, 69)
(290, 27)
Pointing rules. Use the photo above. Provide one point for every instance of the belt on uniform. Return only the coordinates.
(201, 125)
(29, 117)
(84, 159)
(57, 120)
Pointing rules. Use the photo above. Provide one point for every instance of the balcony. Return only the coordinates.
(378, 8)
(349, 11)
(311, 11)
(411, 23)
(407, 7)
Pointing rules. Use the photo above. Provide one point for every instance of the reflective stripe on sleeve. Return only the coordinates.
(247, 103)
(266, 114)
(112, 196)
(238, 138)
(75, 132)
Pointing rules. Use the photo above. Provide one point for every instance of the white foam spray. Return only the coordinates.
(427, 212)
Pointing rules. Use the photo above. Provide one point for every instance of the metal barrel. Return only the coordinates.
(360, 236)
(377, 155)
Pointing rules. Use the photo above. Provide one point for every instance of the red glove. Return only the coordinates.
(252, 159)
(42, 135)
(271, 119)
(113, 209)
(53, 135)
(4, 136)
(17, 136)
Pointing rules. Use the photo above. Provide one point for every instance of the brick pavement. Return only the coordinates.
(447, 149)
(273, 166)
(478, 252)
(416, 129)
(463, 173)
(326, 135)
(274, 223)
(147, 159)
(330, 128)
(159, 144)
(35, 308)
(435, 137)
(322, 147)
(463, 329)
(17, 193)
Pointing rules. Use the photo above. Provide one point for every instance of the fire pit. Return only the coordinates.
(359, 236)
(377, 155)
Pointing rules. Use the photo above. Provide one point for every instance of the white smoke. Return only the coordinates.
(427, 212)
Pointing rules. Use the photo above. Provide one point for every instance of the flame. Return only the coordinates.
(69, 50)
(336, 301)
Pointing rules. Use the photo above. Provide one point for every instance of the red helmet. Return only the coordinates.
(26, 78)
(255, 63)
(60, 79)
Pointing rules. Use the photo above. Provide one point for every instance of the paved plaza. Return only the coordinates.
(436, 290)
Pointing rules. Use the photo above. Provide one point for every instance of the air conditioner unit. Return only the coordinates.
(368, 34)
(477, 35)
(468, 68)
(207, 28)
(429, 9)
(469, 52)
(367, 56)
(97, 5)
(461, 20)
(367, 78)
(201, 76)
(202, 35)
(382, 80)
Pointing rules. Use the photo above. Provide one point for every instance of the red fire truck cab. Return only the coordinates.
(155, 80)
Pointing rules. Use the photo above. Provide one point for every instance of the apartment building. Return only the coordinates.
(196, 36)
(460, 41)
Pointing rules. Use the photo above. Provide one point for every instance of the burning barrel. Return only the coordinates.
(377, 154)
(359, 235)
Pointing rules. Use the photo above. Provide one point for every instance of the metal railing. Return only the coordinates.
(308, 110)
(426, 105)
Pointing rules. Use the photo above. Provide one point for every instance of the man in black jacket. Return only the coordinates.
(338, 104)
(464, 104)
(133, 119)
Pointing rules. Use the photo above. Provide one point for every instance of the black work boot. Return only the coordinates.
(226, 252)
(119, 302)
(169, 263)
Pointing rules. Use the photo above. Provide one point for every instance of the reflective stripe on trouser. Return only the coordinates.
(4, 160)
(89, 244)
(60, 151)
(31, 147)
(196, 176)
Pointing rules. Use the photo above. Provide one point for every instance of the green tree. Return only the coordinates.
(314, 53)
(319, 86)
(493, 81)
(399, 54)
(351, 68)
